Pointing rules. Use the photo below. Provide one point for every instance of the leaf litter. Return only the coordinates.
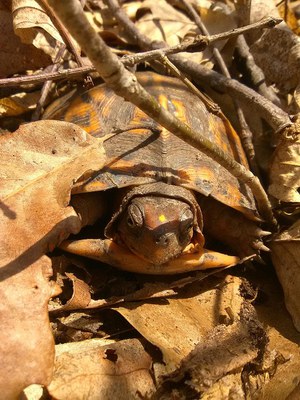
(216, 337)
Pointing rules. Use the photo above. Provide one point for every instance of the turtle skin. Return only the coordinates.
(167, 196)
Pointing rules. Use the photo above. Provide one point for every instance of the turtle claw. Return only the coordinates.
(262, 233)
(260, 246)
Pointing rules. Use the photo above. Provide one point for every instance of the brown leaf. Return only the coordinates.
(81, 296)
(161, 21)
(38, 165)
(226, 351)
(26, 346)
(16, 56)
(18, 103)
(114, 371)
(286, 259)
(176, 325)
(285, 167)
(284, 339)
(34, 26)
(277, 50)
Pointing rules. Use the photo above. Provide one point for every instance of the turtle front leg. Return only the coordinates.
(111, 253)
(232, 228)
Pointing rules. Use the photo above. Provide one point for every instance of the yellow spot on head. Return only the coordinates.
(162, 218)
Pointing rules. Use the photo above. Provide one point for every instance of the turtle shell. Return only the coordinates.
(140, 151)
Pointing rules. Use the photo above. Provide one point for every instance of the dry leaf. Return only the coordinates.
(34, 26)
(18, 103)
(225, 352)
(176, 325)
(16, 56)
(277, 50)
(283, 338)
(81, 295)
(115, 371)
(286, 259)
(160, 21)
(38, 165)
(285, 167)
(26, 347)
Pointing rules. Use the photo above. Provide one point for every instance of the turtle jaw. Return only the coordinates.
(157, 251)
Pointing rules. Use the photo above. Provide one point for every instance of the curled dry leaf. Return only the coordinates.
(16, 56)
(38, 165)
(34, 26)
(81, 295)
(285, 167)
(114, 371)
(286, 258)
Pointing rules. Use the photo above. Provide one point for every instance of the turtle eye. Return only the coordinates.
(135, 216)
(186, 220)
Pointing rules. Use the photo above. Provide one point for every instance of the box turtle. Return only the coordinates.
(162, 195)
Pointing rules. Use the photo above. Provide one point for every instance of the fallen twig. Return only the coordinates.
(257, 75)
(199, 42)
(47, 85)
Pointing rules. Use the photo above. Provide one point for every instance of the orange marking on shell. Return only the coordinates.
(202, 173)
(180, 110)
(107, 106)
(95, 186)
(235, 142)
(163, 101)
(217, 127)
(231, 195)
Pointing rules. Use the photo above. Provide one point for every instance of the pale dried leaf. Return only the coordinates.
(34, 26)
(14, 55)
(33, 392)
(285, 167)
(286, 259)
(115, 371)
(296, 99)
(38, 165)
(18, 103)
(227, 387)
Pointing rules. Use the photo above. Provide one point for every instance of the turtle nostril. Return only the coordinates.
(162, 240)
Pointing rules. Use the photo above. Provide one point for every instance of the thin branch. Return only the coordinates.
(257, 75)
(47, 85)
(199, 42)
(63, 31)
(67, 39)
(125, 84)
(71, 73)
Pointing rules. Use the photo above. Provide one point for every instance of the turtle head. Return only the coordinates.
(158, 226)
